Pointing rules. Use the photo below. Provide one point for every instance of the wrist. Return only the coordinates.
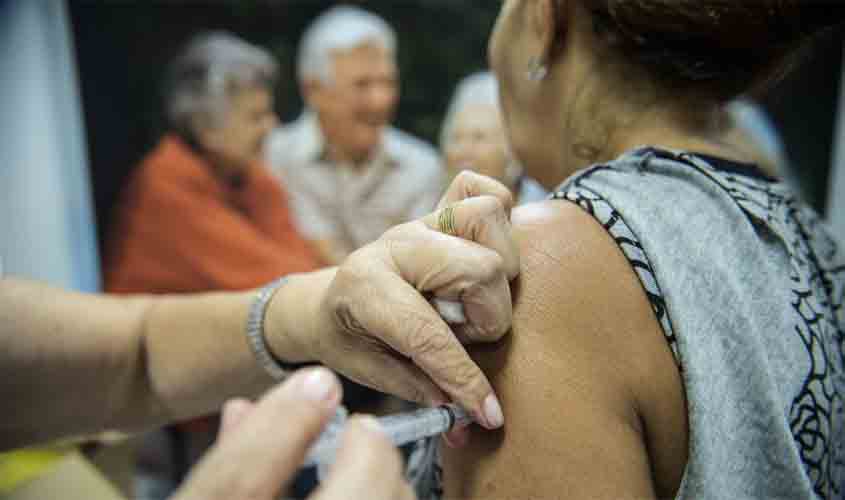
(295, 317)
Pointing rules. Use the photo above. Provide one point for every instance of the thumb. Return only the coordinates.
(269, 444)
(234, 412)
(469, 184)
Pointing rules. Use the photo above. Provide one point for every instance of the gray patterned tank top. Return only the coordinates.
(748, 286)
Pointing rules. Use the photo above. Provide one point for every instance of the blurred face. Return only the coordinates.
(237, 141)
(477, 142)
(358, 102)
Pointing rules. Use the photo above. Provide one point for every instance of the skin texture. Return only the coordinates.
(477, 142)
(594, 399)
(236, 141)
(78, 364)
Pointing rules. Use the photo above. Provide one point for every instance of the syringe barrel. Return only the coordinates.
(407, 428)
(401, 429)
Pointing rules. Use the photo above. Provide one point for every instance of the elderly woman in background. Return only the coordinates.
(473, 138)
(200, 212)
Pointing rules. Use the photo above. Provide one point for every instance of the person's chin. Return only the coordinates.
(370, 141)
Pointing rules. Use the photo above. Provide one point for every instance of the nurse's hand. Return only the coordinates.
(374, 321)
(261, 446)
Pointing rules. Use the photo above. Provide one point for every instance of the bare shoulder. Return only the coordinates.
(593, 400)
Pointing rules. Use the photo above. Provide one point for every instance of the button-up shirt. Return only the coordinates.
(353, 205)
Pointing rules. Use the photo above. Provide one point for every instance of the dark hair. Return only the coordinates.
(727, 47)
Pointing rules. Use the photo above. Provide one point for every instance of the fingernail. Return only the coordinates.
(493, 412)
(371, 423)
(319, 386)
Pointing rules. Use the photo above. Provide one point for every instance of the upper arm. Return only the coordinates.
(588, 384)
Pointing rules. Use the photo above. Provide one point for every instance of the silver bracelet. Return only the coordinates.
(255, 334)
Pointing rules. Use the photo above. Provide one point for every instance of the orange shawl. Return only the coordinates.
(181, 229)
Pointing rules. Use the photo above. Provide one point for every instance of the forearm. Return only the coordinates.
(74, 363)
(194, 353)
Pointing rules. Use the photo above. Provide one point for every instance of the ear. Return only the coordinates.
(548, 19)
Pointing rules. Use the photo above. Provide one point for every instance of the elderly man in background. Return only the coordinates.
(473, 138)
(350, 174)
(201, 213)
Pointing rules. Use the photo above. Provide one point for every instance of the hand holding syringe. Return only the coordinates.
(401, 429)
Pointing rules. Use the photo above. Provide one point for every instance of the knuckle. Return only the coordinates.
(398, 232)
(353, 270)
(426, 340)
(492, 212)
(492, 312)
(416, 395)
(505, 197)
(466, 182)
(499, 210)
(465, 374)
(345, 318)
(466, 177)
(492, 265)
(492, 204)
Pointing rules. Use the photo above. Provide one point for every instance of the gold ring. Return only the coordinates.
(446, 221)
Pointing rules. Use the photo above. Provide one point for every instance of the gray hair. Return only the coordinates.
(207, 72)
(338, 29)
(478, 89)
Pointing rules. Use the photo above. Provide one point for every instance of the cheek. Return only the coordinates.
(494, 159)
(391, 97)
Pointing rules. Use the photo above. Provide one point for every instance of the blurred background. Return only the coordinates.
(123, 46)
(82, 106)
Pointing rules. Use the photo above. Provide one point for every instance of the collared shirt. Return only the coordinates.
(353, 206)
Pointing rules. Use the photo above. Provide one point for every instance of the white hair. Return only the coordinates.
(480, 88)
(340, 28)
(211, 67)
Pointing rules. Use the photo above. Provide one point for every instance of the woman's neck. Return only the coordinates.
(230, 173)
(613, 124)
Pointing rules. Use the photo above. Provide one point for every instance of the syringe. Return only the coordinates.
(401, 429)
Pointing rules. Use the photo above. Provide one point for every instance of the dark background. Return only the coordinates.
(123, 47)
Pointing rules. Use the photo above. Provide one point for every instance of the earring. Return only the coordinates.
(537, 70)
